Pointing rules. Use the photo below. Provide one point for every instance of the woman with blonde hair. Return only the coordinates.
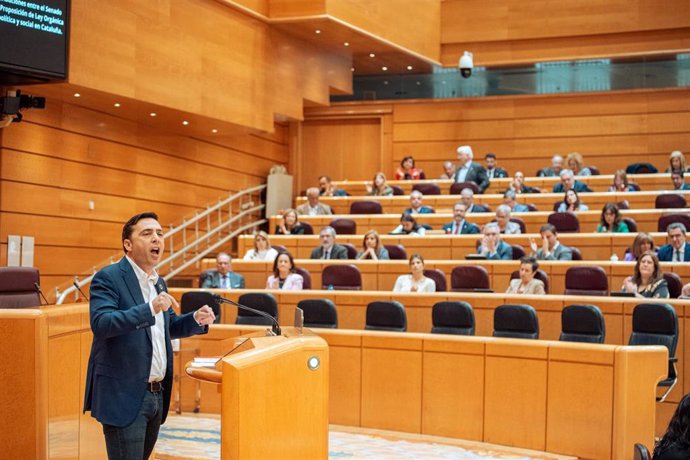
(262, 249)
(379, 187)
(372, 247)
(676, 162)
(620, 182)
(575, 162)
(289, 224)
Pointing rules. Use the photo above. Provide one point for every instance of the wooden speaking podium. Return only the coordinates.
(274, 395)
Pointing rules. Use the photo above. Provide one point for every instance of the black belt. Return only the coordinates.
(155, 387)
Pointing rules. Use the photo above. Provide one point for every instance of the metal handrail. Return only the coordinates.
(201, 238)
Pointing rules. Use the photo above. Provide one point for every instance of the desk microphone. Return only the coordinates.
(275, 327)
(76, 285)
(38, 289)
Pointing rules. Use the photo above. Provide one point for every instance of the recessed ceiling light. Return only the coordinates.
(317, 31)
(372, 55)
(384, 68)
(346, 43)
(385, 82)
(419, 83)
(117, 104)
(185, 122)
(214, 131)
(153, 114)
(352, 69)
(409, 67)
(77, 95)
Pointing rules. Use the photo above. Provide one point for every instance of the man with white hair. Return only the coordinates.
(416, 206)
(468, 171)
(568, 182)
(467, 198)
(491, 245)
(554, 170)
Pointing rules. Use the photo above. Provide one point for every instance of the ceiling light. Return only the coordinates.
(384, 68)
(214, 131)
(352, 69)
(346, 43)
(153, 114)
(77, 95)
(185, 122)
(317, 31)
(409, 67)
(372, 55)
(117, 104)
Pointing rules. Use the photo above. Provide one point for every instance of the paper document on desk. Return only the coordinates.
(204, 362)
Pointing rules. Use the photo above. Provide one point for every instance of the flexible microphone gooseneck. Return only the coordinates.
(76, 285)
(275, 327)
(38, 289)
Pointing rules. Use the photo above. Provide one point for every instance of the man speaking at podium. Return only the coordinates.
(130, 371)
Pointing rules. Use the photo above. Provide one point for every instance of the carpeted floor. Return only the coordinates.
(197, 437)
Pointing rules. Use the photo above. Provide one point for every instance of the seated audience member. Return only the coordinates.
(518, 184)
(576, 164)
(262, 249)
(554, 170)
(527, 283)
(284, 276)
(379, 187)
(568, 182)
(647, 280)
(685, 292)
(448, 171)
(678, 180)
(326, 188)
(551, 248)
(467, 198)
(611, 220)
(571, 202)
(678, 250)
(407, 170)
(223, 277)
(312, 207)
(469, 171)
(620, 182)
(415, 281)
(510, 200)
(372, 247)
(491, 245)
(416, 206)
(675, 444)
(676, 162)
(642, 243)
(289, 224)
(409, 226)
(460, 226)
(328, 249)
(504, 224)
(493, 171)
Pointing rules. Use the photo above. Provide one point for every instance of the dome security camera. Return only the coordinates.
(466, 64)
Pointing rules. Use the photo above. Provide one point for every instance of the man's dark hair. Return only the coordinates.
(678, 172)
(129, 225)
(490, 155)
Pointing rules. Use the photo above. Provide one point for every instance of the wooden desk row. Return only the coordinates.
(584, 400)
(647, 182)
(593, 246)
(351, 307)
(543, 201)
(381, 276)
(647, 220)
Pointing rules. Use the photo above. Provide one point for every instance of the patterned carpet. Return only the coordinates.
(196, 437)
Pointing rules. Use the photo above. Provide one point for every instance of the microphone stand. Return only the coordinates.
(76, 285)
(275, 327)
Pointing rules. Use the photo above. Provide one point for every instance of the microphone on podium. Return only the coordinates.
(38, 289)
(76, 285)
(275, 327)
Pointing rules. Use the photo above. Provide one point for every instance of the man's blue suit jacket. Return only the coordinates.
(665, 253)
(121, 352)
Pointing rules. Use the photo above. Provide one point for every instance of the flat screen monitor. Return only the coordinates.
(34, 38)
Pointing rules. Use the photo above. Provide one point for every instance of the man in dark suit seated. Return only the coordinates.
(130, 372)
(326, 187)
(510, 200)
(467, 198)
(518, 184)
(223, 277)
(554, 170)
(328, 248)
(677, 177)
(678, 250)
(468, 171)
(568, 181)
(493, 171)
(551, 248)
(416, 206)
(491, 245)
(460, 226)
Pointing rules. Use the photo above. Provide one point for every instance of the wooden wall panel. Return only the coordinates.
(511, 31)
(59, 159)
(415, 25)
(611, 130)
